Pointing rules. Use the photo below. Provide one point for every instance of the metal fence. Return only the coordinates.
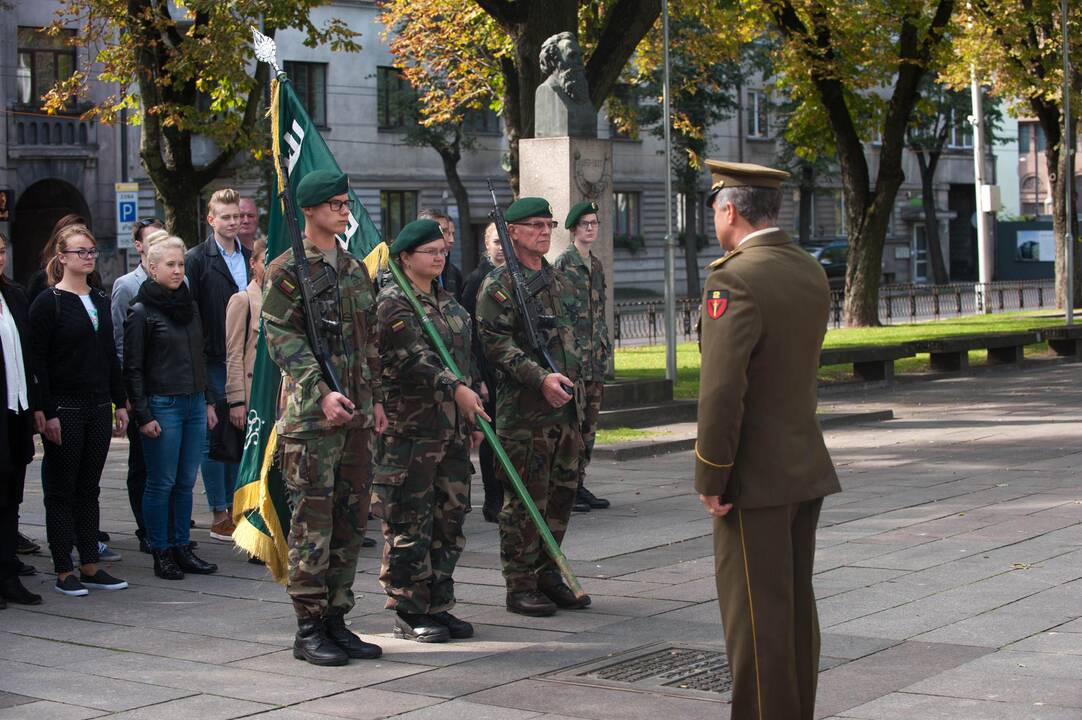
(642, 322)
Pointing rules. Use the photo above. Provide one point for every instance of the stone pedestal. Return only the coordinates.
(566, 171)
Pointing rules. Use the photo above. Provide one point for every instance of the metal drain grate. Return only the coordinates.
(675, 669)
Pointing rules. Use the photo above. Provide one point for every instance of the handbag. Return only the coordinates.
(226, 441)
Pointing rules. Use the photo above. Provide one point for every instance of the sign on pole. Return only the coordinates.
(127, 210)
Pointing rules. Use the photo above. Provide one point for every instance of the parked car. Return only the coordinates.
(832, 256)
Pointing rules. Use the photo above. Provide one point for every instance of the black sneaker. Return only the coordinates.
(102, 580)
(71, 587)
(26, 546)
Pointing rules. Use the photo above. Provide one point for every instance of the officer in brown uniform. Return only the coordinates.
(761, 466)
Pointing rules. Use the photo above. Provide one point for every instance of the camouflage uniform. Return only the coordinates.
(326, 469)
(592, 332)
(543, 443)
(421, 486)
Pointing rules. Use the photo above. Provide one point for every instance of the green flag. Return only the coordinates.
(260, 510)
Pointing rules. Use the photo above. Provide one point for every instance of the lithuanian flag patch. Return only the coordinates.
(398, 325)
(287, 286)
(499, 295)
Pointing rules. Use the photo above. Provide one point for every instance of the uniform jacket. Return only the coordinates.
(355, 356)
(519, 372)
(591, 328)
(21, 451)
(241, 332)
(764, 314)
(419, 388)
(212, 285)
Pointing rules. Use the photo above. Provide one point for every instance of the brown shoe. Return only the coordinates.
(223, 530)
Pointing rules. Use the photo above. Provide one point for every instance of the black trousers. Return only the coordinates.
(70, 476)
(137, 477)
(11, 498)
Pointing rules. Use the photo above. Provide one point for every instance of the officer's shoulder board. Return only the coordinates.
(722, 260)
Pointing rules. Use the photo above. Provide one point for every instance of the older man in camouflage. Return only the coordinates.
(325, 436)
(588, 277)
(537, 421)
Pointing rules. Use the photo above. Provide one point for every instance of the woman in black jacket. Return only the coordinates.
(166, 376)
(18, 392)
(79, 382)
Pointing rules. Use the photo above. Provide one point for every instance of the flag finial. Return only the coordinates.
(265, 50)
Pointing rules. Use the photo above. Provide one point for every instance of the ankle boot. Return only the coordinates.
(12, 591)
(335, 627)
(165, 566)
(312, 644)
(189, 562)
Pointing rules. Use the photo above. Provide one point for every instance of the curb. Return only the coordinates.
(639, 449)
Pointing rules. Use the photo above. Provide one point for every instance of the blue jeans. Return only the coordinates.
(219, 478)
(172, 459)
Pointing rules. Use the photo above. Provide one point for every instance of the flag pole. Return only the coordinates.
(670, 247)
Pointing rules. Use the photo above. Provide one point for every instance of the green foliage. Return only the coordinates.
(632, 243)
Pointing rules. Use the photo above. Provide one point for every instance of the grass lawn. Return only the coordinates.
(648, 361)
(607, 436)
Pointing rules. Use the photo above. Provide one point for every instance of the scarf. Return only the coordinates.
(177, 304)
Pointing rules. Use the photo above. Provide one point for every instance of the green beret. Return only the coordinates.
(416, 233)
(577, 211)
(320, 186)
(528, 207)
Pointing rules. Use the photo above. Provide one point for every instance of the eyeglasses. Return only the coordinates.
(433, 252)
(589, 224)
(148, 221)
(337, 205)
(82, 253)
(538, 226)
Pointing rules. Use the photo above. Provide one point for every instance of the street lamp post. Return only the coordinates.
(1068, 172)
(670, 248)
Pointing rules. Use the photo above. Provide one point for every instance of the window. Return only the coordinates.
(395, 99)
(1042, 141)
(44, 60)
(700, 212)
(757, 107)
(396, 208)
(961, 131)
(482, 121)
(310, 82)
(625, 213)
(1024, 142)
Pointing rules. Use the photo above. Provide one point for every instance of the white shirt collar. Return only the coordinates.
(757, 233)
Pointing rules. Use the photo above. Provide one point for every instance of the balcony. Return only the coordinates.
(34, 136)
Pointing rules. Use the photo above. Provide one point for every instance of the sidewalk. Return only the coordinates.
(949, 577)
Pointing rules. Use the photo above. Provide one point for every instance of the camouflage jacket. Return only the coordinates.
(591, 330)
(519, 372)
(420, 389)
(354, 352)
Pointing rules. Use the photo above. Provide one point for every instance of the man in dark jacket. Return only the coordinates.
(216, 269)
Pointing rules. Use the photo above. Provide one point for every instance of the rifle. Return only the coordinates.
(310, 289)
(520, 291)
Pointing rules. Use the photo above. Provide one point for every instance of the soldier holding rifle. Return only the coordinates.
(525, 316)
(320, 325)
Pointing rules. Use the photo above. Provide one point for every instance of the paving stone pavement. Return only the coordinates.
(949, 577)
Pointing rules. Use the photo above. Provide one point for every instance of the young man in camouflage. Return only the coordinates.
(538, 422)
(584, 271)
(422, 476)
(325, 437)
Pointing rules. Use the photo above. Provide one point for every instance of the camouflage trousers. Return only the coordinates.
(594, 392)
(421, 490)
(327, 483)
(548, 460)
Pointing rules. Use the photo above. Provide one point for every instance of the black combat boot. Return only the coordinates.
(312, 644)
(553, 587)
(335, 627)
(530, 602)
(165, 566)
(419, 627)
(459, 629)
(586, 497)
(189, 562)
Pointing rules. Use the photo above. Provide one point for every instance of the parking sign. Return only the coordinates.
(127, 211)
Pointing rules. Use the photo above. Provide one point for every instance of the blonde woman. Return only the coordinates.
(79, 381)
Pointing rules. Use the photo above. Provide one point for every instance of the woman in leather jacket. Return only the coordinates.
(166, 376)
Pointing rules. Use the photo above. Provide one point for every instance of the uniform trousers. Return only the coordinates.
(70, 476)
(327, 479)
(763, 565)
(421, 489)
(547, 459)
(594, 392)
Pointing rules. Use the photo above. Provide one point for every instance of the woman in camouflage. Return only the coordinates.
(421, 487)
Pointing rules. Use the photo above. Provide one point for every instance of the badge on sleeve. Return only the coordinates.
(717, 302)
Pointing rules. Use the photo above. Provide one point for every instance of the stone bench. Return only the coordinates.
(950, 354)
(871, 363)
(1064, 340)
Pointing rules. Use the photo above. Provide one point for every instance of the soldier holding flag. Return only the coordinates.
(325, 447)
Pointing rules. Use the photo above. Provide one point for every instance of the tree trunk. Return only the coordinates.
(691, 242)
(931, 215)
(466, 242)
(1059, 228)
(181, 206)
(807, 203)
(867, 230)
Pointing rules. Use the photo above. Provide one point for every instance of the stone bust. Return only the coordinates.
(562, 106)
